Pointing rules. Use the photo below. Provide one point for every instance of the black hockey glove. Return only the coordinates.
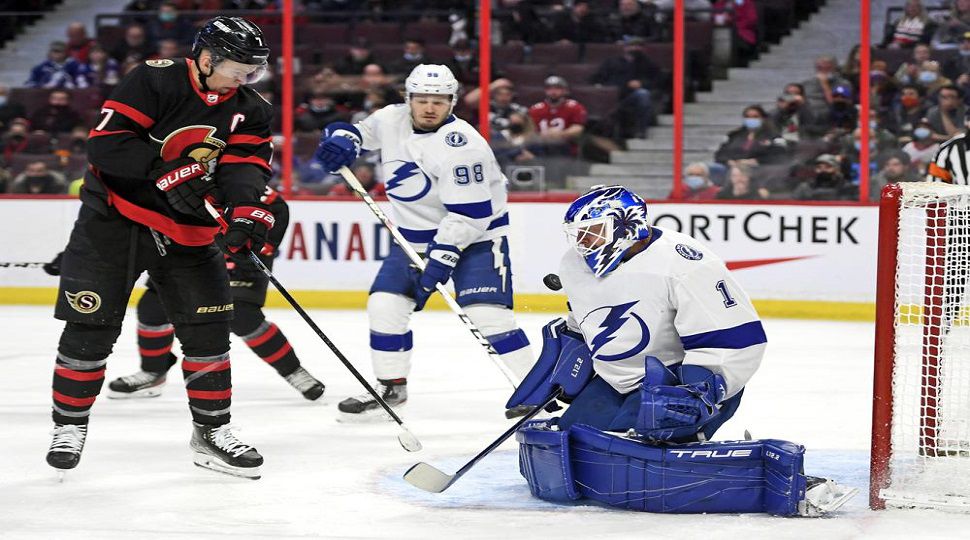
(248, 225)
(53, 268)
(185, 183)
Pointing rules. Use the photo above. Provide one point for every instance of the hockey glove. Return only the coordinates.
(185, 183)
(442, 260)
(339, 146)
(248, 225)
(678, 413)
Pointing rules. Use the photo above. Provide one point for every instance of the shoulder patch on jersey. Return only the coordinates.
(455, 139)
(688, 252)
(160, 62)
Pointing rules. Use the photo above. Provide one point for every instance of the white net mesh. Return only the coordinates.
(930, 459)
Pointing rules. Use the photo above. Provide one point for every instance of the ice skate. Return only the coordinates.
(141, 384)
(364, 408)
(217, 448)
(306, 384)
(823, 496)
(65, 451)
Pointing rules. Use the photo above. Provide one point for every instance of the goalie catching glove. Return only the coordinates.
(248, 225)
(186, 184)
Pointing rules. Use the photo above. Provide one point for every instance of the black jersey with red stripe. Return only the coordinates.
(159, 113)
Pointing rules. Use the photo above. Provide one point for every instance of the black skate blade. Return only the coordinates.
(144, 393)
(208, 462)
(373, 416)
(428, 478)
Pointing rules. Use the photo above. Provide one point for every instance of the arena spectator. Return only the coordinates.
(502, 105)
(411, 56)
(828, 183)
(946, 118)
(578, 25)
(135, 47)
(740, 186)
(951, 31)
(15, 139)
(818, 89)
(463, 64)
(634, 19)
(913, 27)
(373, 101)
(908, 71)
(909, 110)
(883, 86)
(170, 24)
(958, 66)
(922, 149)
(881, 143)
(794, 120)
(373, 79)
(78, 43)
(358, 56)
(697, 183)
(169, 48)
(559, 119)
(317, 112)
(895, 168)
(38, 180)
(9, 109)
(755, 140)
(742, 16)
(930, 78)
(57, 116)
(523, 24)
(100, 69)
(843, 116)
(635, 76)
(58, 71)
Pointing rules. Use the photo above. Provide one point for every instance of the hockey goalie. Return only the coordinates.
(654, 357)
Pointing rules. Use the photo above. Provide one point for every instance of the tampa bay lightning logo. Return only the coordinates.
(407, 182)
(689, 253)
(455, 139)
(617, 319)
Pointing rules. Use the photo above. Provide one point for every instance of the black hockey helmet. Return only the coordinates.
(232, 38)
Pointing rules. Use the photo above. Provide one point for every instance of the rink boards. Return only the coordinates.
(795, 260)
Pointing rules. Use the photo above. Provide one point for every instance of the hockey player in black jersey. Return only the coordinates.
(171, 134)
(248, 285)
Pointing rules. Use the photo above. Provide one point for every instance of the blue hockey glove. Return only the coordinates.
(675, 413)
(339, 146)
(442, 260)
(565, 362)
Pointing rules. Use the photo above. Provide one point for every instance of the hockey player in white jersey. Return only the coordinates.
(658, 347)
(450, 200)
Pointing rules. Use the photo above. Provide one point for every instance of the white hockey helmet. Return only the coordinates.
(432, 79)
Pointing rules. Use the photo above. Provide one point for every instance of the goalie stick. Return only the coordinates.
(430, 479)
(407, 439)
(22, 264)
(416, 260)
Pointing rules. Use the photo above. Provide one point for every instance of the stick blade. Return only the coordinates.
(408, 441)
(428, 478)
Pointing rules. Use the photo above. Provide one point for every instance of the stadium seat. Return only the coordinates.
(507, 54)
(318, 33)
(526, 74)
(554, 53)
(595, 53)
(600, 101)
(379, 32)
(431, 32)
(576, 73)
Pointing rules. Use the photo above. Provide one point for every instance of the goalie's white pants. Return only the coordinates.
(391, 342)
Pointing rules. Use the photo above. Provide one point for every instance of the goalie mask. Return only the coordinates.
(603, 224)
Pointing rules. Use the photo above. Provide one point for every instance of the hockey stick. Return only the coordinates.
(408, 441)
(426, 477)
(416, 260)
(22, 264)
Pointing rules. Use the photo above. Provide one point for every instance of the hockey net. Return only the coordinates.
(921, 397)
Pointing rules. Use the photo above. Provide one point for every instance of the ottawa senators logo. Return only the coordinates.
(84, 301)
(196, 142)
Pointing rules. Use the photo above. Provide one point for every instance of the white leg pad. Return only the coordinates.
(389, 315)
(495, 322)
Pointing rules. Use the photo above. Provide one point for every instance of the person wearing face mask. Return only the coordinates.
(922, 149)
(170, 25)
(946, 118)
(930, 78)
(411, 57)
(842, 116)
(697, 183)
(756, 140)
(795, 121)
(463, 64)
(909, 109)
(358, 56)
(958, 66)
(317, 112)
(828, 184)
(38, 180)
(57, 116)
(9, 109)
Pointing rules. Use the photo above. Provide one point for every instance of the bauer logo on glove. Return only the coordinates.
(178, 176)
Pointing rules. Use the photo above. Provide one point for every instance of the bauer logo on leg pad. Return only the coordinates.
(215, 309)
(84, 301)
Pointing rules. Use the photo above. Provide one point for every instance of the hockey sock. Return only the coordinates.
(155, 347)
(79, 370)
(271, 345)
(208, 383)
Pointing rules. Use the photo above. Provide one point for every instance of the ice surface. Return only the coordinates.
(332, 480)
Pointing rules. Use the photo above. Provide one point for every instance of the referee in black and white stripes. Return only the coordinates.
(951, 162)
